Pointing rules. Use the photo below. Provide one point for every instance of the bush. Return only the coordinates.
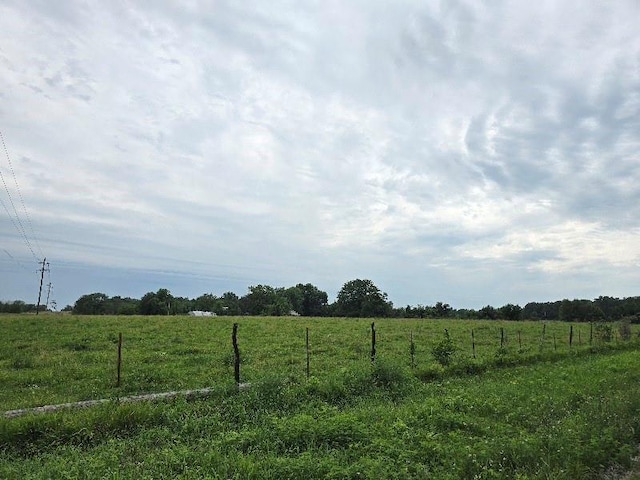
(389, 376)
(444, 350)
(625, 330)
(603, 333)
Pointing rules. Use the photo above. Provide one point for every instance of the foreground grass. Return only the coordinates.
(567, 419)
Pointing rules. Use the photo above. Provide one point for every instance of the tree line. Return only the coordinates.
(356, 298)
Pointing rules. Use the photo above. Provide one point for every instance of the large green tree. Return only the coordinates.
(510, 312)
(307, 299)
(361, 298)
(206, 303)
(229, 304)
(265, 300)
(91, 304)
(158, 303)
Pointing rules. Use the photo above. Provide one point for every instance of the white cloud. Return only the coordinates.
(328, 140)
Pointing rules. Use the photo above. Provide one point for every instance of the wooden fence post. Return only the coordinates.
(519, 340)
(236, 355)
(373, 342)
(570, 336)
(501, 337)
(412, 350)
(308, 356)
(590, 333)
(473, 343)
(119, 359)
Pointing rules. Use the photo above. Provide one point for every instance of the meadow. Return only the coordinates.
(529, 405)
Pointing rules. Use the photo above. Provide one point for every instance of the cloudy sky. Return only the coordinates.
(460, 151)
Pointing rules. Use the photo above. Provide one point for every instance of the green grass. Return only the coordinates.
(533, 412)
(57, 359)
(565, 420)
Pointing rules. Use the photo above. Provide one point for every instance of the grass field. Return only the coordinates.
(533, 408)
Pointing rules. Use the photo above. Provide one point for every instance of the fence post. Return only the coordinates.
(555, 346)
(473, 343)
(590, 333)
(519, 340)
(412, 350)
(236, 355)
(501, 337)
(119, 359)
(308, 355)
(373, 342)
(570, 336)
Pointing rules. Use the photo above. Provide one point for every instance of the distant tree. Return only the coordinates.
(488, 312)
(158, 303)
(307, 299)
(91, 304)
(181, 305)
(207, 302)
(122, 306)
(17, 306)
(165, 298)
(580, 311)
(466, 314)
(265, 300)
(510, 312)
(295, 297)
(421, 311)
(612, 308)
(541, 311)
(442, 310)
(280, 306)
(229, 304)
(361, 298)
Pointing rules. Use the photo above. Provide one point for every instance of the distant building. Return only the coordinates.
(200, 313)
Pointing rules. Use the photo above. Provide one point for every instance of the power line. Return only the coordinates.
(24, 207)
(20, 229)
(13, 222)
(16, 260)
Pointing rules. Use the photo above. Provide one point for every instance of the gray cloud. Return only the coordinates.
(459, 152)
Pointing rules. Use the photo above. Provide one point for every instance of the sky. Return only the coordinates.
(460, 151)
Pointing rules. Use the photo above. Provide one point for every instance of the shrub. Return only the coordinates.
(444, 350)
(625, 330)
(389, 376)
(603, 333)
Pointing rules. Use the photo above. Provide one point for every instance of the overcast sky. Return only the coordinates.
(460, 151)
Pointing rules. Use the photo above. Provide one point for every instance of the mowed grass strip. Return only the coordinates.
(53, 359)
(572, 418)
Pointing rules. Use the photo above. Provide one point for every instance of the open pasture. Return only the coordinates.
(53, 359)
(576, 417)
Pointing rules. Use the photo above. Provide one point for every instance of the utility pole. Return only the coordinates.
(46, 305)
(44, 261)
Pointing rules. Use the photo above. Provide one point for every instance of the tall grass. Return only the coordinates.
(567, 419)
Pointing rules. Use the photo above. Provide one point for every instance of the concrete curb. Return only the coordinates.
(202, 392)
